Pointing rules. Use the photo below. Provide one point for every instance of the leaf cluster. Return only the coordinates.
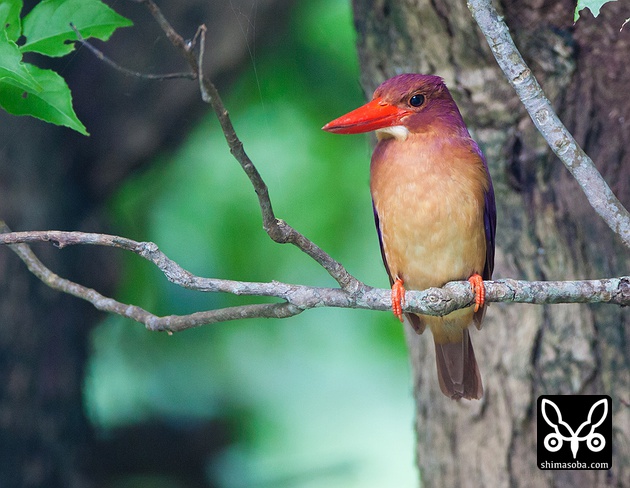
(26, 89)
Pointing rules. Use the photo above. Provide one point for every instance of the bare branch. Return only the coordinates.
(147, 76)
(597, 191)
(433, 301)
(169, 323)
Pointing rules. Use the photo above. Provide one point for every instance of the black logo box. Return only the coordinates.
(574, 432)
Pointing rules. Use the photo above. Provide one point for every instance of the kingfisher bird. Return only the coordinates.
(434, 210)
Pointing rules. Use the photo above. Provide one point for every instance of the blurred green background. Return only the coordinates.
(319, 400)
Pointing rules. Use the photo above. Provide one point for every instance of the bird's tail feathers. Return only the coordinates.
(457, 369)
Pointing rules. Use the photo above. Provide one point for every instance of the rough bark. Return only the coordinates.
(546, 229)
(51, 177)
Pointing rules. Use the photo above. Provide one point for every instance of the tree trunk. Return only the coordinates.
(546, 229)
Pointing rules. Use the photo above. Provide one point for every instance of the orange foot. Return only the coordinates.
(476, 281)
(398, 298)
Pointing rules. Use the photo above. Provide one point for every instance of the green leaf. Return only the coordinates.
(52, 104)
(10, 18)
(12, 70)
(592, 5)
(47, 26)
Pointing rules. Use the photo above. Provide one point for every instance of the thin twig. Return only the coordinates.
(172, 35)
(202, 50)
(201, 32)
(597, 191)
(147, 76)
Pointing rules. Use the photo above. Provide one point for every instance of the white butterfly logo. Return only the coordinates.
(553, 441)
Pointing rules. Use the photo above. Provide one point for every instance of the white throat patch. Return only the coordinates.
(399, 132)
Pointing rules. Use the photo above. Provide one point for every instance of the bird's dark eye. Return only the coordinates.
(416, 100)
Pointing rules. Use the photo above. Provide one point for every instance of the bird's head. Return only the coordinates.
(408, 103)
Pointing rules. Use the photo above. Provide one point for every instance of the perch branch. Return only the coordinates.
(597, 191)
(433, 301)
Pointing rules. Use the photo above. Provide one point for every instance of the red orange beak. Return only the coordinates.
(376, 114)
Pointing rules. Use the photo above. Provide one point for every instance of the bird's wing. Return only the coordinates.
(380, 241)
(490, 225)
(410, 318)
